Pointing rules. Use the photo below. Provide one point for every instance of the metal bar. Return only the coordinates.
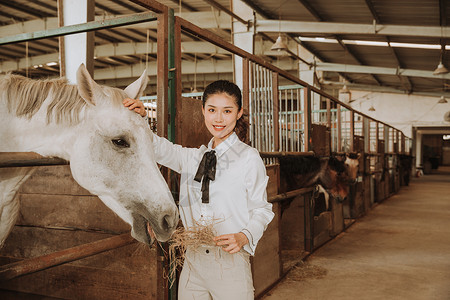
(286, 122)
(377, 137)
(78, 28)
(252, 104)
(40, 263)
(328, 113)
(266, 87)
(171, 101)
(275, 109)
(284, 154)
(178, 84)
(297, 120)
(245, 88)
(352, 131)
(307, 117)
(28, 159)
(339, 129)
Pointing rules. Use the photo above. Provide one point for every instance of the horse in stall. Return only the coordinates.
(109, 148)
(331, 175)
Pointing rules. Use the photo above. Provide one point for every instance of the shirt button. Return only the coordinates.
(207, 251)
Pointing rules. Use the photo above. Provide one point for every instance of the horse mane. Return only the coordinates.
(25, 96)
(336, 164)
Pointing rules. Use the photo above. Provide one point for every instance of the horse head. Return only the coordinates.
(352, 166)
(112, 157)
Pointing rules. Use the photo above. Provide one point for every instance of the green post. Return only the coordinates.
(171, 124)
(171, 89)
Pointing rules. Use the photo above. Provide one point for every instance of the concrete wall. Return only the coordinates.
(401, 111)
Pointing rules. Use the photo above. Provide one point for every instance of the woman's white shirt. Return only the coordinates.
(237, 196)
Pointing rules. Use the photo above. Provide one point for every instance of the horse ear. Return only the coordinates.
(85, 84)
(136, 89)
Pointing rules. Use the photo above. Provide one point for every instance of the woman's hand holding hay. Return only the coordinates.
(231, 243)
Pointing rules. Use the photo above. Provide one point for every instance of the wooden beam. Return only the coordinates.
(28, 159)
(39, 263)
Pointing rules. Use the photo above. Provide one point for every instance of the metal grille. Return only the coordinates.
(291, 110)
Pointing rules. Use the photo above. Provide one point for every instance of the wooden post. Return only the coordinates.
(162, 83)
(309, 223)
(162, 74)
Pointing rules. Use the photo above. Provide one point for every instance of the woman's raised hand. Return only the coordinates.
(136, 105)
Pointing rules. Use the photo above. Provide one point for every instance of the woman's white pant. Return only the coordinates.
(211, 273)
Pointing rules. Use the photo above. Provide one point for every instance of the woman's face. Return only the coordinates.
(221, 113)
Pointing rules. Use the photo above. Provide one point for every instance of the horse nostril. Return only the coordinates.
(166, 223)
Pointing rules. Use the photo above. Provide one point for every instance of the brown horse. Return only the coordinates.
(334, 173)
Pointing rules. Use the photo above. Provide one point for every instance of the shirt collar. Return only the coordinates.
(225, 145)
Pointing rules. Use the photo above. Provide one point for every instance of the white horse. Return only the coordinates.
(108, 146)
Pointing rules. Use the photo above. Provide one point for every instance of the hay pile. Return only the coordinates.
(193, 238)
(304, 271)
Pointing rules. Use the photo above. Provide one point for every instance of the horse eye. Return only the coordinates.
(120, 143)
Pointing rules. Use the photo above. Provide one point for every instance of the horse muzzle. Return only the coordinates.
(146, 230)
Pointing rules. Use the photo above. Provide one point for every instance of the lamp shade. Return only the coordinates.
(442, 100)
(279, 44)
(344, 90)
(441, 69)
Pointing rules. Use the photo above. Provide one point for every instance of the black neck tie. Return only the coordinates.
(207, 171)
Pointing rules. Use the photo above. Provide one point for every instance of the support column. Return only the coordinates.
(242, 38)
(419, 162)
(78, 48)
(306, 73)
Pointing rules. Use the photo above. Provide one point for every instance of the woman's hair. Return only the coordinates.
(231, 89)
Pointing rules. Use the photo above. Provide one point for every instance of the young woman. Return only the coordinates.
(224, 183)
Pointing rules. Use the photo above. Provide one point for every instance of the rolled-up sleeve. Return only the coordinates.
(260, 211)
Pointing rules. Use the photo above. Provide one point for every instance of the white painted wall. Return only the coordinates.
(401, 111)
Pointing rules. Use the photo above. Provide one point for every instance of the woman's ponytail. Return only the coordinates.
(241, 129)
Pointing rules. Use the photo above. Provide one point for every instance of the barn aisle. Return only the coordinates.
(400, 250)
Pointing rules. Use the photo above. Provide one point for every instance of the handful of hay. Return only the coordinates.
(193, 238)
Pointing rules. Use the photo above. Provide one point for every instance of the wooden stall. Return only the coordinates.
(57, 214)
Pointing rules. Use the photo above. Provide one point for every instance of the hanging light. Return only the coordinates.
(442, 100)
(372, 108)
(279, 44)
(344, 90)
(441, 69)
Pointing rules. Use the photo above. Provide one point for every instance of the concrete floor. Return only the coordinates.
(400, 250)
